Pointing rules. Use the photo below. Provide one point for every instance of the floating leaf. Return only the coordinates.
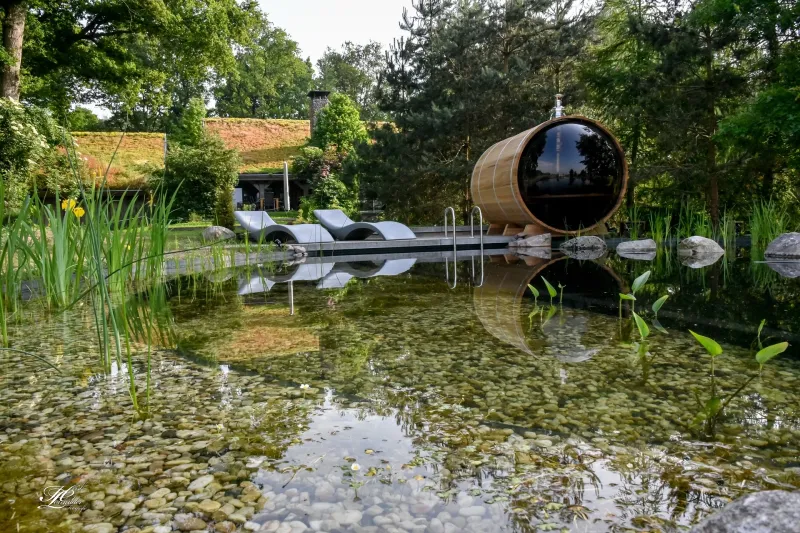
(627, 297)
(641, 325)
(765, 354)
(534, 290)
(369, 451)
(639, 282)
(660, 302)
(710, 345)
(550, 289)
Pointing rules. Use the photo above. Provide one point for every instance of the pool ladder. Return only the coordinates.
(452, 212)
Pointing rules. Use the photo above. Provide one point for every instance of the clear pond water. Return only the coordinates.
(427, 408)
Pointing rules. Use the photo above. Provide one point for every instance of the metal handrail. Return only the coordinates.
(472, 223)
(472, 234)
(455, 250)
(453, 211)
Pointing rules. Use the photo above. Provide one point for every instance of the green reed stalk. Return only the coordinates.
(767, 221)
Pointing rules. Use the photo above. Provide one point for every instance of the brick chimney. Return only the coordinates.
(319, 99)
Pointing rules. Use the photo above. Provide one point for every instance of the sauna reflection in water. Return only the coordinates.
(424, 406)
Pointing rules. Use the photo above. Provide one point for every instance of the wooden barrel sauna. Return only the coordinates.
(565, 176)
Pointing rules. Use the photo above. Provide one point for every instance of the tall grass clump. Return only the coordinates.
(692, 222)
(12, 262)
(767, 221)
(661, 226)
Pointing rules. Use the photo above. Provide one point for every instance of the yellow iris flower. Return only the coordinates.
(78, 212)
(68, 204)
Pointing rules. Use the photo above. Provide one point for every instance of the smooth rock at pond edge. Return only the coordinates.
(642, 246)
(217, 233)
(785, 246)
(699, 246)
(535, 241)
(584, 243)
(772, 511)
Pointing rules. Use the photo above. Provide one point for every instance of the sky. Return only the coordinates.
(318, 24)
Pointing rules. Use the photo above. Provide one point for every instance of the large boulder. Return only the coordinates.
(643, 246)
(699, 246)
(535, 241)
(584, 243)
(786, 246)
(585, 254)
(217, 233)
(772, 511)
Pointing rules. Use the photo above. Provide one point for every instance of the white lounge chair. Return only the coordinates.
(259, 225)
(345, 229)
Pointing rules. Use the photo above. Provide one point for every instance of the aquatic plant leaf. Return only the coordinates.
(639, 282)
(765, 354)
(658, 327)
(660, 302)
(710, 345)
(641, 325)
(627, 297)
(534, 290)
(550, 289)
(760, 329)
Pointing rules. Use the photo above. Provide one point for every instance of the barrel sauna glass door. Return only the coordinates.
(571, 175)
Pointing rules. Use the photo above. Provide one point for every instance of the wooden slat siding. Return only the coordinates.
(495, 181)
(474, 186)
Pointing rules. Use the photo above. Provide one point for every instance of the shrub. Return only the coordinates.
(322, 168)
(28, 140)
(203, 175)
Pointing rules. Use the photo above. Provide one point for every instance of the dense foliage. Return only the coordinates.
(32, 154)
(270, 80)
(702, 95)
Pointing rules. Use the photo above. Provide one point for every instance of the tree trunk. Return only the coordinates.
(13, 32)
(711, 147)
(631, 196)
